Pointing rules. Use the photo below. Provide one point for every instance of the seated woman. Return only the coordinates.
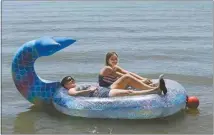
(117, 89)
(114, 77)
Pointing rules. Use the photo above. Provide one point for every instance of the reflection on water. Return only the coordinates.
(193, 112)
(173, 38)
(26, 122)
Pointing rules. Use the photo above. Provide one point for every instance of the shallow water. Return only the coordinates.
(174, 38)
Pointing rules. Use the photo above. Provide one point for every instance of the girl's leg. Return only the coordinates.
(140, 78)
(129, 80)
(119, 92)
(122, 92)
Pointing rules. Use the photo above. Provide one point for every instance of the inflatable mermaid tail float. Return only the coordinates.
(30, 85)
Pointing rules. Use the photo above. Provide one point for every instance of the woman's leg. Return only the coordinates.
(129, 80)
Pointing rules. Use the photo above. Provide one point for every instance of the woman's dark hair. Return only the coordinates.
(65, 80)
(108, 55)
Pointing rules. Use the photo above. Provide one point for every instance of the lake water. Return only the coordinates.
(150, 37)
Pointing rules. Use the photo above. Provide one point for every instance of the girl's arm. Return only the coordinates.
(137, 76)
(118, 71)
(118, 74)
(74, 92)
(122, 71)
(106, 71)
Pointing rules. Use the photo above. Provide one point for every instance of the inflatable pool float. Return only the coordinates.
(40, 91)
(129, 107)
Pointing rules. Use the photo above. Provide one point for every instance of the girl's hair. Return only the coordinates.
(65, 80)
(108, 55)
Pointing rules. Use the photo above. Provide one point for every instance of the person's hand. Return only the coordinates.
(92, 88)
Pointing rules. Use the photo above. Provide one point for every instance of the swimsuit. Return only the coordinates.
(106, 81)
(100, 92)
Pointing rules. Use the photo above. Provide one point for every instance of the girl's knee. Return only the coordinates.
(127, 76)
